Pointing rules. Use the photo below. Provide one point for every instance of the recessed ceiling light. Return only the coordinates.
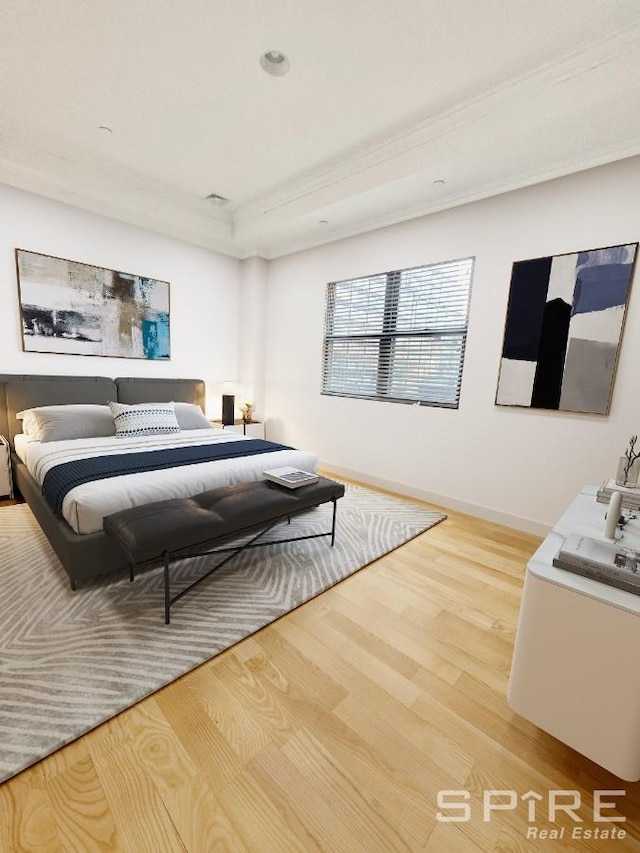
(274, 62)
(439, 183)
(105, 129)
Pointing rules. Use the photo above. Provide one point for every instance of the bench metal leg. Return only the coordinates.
(333, 523)
(231, 552)
(167, 589)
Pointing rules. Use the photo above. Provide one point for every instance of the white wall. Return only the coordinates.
(520, 466)
(254, 276)
(205, 289)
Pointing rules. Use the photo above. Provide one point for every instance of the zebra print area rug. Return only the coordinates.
(69, 661)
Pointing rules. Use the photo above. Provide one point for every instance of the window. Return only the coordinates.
(398, 336)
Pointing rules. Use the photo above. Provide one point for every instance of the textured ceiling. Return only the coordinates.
(383, 98)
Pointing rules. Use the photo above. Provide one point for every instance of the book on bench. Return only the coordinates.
(608, 562)
(290, 477)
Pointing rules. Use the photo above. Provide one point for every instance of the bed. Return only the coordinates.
(75, 528)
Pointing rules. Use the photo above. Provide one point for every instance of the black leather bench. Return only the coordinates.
(178, 528)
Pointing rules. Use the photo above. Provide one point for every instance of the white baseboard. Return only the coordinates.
(528, 525)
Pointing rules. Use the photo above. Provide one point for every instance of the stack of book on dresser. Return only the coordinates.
(601, 560)
(630, 497)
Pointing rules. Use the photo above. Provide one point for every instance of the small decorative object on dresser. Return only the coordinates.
(6, 479)
(629, 466)
(247, 412)
(613, 517)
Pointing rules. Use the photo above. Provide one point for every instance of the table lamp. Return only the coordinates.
(228, 409)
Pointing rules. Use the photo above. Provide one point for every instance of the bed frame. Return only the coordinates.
(94, 554)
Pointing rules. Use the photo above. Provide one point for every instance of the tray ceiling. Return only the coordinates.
(384, 101)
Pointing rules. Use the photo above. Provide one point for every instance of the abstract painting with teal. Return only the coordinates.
(81, 309)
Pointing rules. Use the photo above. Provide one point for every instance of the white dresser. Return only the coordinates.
(575, 670)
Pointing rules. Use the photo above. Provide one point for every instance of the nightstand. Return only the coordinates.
(6, 478)
(254, 429)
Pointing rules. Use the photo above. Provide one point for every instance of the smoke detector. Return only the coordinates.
(275, 62)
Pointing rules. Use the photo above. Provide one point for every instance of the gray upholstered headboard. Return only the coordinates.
(138, 390)
(25, 391)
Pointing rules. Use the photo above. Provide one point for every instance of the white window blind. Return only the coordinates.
(398, 336)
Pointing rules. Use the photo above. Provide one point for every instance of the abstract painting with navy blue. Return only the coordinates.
(80, 309)
(563, 330)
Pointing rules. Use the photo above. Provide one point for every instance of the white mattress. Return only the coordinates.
(85, 506)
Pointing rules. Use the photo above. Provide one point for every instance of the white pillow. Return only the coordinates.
(29, 423)
(190, 416)
(60, 423)
(144, 419)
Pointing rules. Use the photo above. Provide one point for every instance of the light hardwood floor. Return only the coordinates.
(332, 729)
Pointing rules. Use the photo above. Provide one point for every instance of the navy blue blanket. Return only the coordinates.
(62, 478)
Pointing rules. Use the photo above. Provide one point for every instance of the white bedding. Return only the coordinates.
(85, 506)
